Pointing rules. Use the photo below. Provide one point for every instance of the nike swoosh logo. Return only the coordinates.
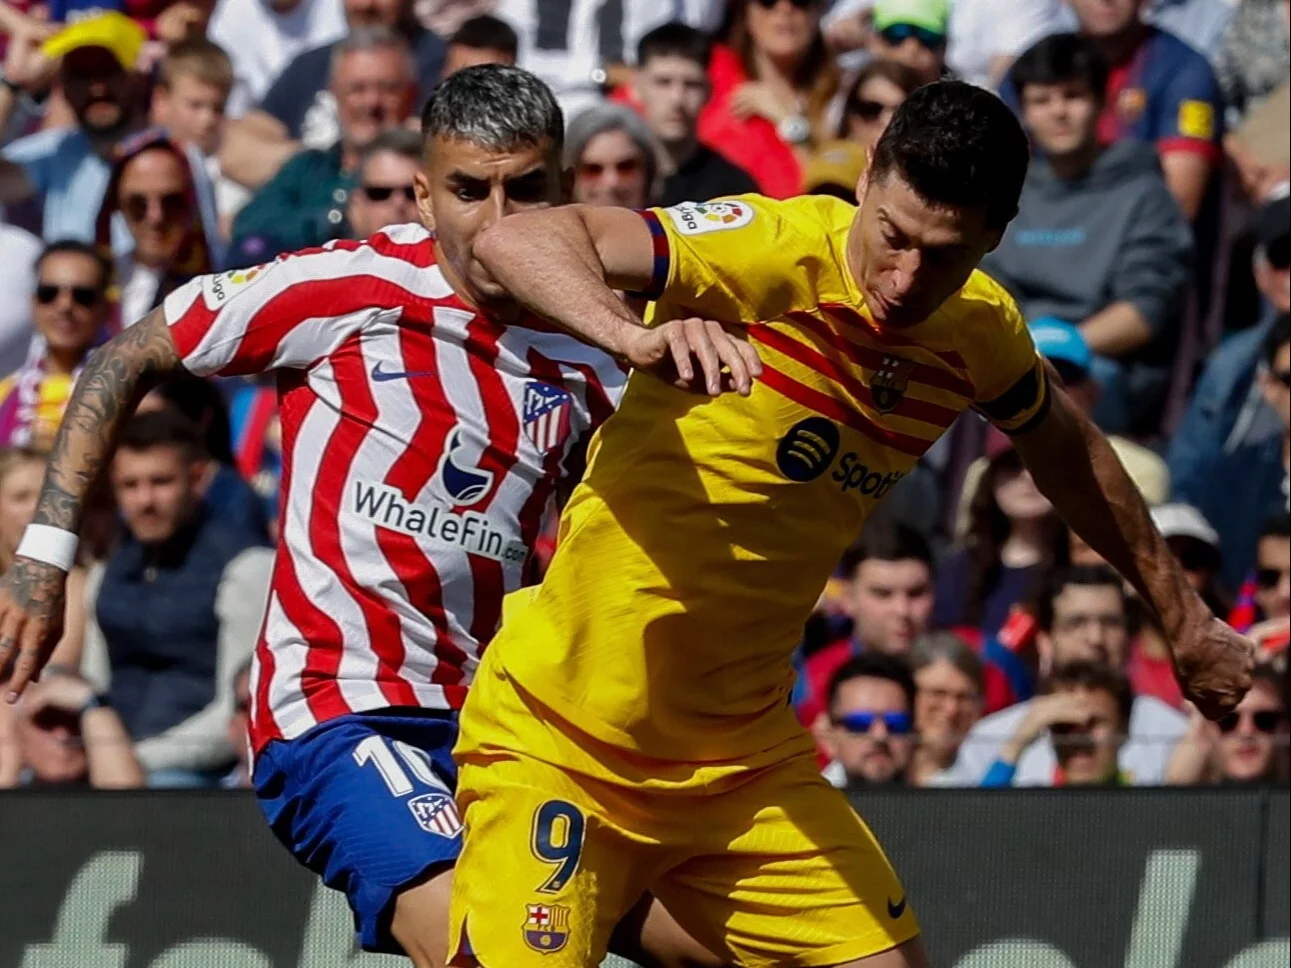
(381, 376)
(896, 910)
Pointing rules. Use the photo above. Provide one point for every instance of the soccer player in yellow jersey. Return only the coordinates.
(629, 728)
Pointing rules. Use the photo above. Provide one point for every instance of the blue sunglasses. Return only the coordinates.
(897, 34)
(897, 724)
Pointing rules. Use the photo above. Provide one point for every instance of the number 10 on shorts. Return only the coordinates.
(557, 839)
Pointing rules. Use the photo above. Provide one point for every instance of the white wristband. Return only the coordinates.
(53, 546)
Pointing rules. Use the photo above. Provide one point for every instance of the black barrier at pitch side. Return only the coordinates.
(1000, 879)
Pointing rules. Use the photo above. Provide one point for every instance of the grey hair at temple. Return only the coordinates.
(496, 107)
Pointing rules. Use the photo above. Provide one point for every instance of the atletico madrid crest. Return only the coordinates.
(546, 929)
(889, 382)
(546, 414)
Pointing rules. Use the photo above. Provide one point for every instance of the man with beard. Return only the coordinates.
(68, 166)
(869, 730)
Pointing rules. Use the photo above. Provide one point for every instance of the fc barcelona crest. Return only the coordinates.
(889, 382)
(546, 927)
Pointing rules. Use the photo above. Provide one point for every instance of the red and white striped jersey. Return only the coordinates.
(421, 444)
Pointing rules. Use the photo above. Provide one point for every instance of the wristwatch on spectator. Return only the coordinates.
(794, 130)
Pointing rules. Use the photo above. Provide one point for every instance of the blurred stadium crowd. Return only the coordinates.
(967, 638)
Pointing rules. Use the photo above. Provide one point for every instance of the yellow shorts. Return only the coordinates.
(775, 870)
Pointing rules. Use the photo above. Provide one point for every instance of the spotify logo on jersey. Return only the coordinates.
(807, 449)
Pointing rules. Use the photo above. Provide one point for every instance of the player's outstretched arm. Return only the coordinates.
(566, 263)
(32, 591)
(1076, 468)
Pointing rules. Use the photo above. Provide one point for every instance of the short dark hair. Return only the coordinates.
(1089, 575)
(1083, 674)
(494, 106)
(1278, 337)
(162, 428)
(203, 403)
(886, 541)
(76, 247)
(1061, 59)
(958, 145)
(874, 665)
(676, 39)
(1278, 526)
(933, 647)
(487, 33)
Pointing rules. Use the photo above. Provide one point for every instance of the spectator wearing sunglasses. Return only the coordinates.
(612, 156)
(873, 98)
(774, 81)
(1085, 710)
(868, 730)
(152, 190)
(386, 194)
(1248, 747)
(912, 33)
(70, 310)
(1263, 607)
(1240, 479)
(671, 86)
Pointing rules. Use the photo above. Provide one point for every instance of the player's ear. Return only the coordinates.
(425, 210)
(863, 182)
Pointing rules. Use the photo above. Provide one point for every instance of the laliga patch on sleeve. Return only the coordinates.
(698, 218)
(1196, 120)
(220, 288)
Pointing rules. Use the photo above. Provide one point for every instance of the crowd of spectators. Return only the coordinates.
(967, 638)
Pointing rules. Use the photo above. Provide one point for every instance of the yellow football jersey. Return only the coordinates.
(704, 529)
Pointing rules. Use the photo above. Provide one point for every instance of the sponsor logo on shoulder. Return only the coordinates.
(220, 288)
(697, 218)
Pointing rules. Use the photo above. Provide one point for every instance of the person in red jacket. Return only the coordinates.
(773, 80)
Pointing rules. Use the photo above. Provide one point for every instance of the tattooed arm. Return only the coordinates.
(114, 379)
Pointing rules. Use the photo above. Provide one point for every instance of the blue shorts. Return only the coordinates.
(366, 802)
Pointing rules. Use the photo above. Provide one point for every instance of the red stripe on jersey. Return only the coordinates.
(385, 634)
(187, 331)
(927, 374)
(420, 254)
(500, 457)
(827, 406)
(532, 512)
(409, 475)
(932, 413)
(871, 329)
(598, 400)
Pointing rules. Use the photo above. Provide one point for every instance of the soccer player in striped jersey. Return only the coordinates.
(426, 422)
(629, 728)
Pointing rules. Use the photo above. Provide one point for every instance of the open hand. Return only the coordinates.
(1213, 664)
(700, 355)
(31, 620)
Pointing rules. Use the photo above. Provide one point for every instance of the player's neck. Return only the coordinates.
(501, 311)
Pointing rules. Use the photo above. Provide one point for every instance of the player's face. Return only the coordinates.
(869, 749)
(908, 255)
(1062, 118)
(156, 490)
(946, 706)
(672, 90)
(1089, 624)
(890, 602)
(1088, 752)
(466, 187)
(1252, 735)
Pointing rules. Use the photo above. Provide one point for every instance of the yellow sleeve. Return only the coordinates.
(1009, 374)
(738, 260)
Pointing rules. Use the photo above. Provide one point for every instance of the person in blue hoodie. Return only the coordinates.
(1099, 241)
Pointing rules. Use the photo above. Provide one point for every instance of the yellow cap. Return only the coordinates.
(834, 163)
(112, 31)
